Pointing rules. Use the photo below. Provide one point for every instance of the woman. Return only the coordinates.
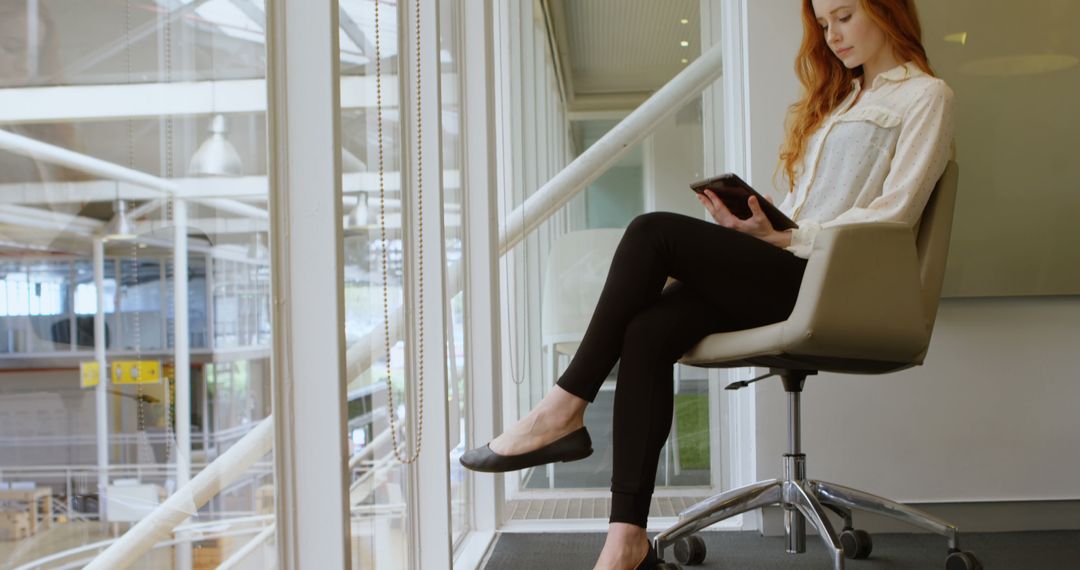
(866, 142)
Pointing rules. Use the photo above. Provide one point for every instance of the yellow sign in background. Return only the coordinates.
(89, 373)
(136, 372)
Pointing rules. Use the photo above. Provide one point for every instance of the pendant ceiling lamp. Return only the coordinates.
(121, 228)
(216, 156)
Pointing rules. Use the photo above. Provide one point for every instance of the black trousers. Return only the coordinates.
(727, 281)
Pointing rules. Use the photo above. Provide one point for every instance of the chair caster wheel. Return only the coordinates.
(857, 544)
(958, 560)
(690, 550)
(668, 566)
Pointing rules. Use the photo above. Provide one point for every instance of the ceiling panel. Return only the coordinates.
(628, 46)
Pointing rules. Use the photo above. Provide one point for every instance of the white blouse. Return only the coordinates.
(874, 161)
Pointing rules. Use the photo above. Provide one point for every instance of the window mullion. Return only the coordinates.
(308, 310)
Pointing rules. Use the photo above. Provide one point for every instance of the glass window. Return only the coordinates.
(652, 175)
(374, 282)
(454, 236)
(145, 100)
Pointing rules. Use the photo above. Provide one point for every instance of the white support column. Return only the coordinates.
(481, 254)
(716, 125)
(204, 395)
(732, 145)
(181, 345)
(101, 401)
(310, 453)
(429, 504)
(182, 363)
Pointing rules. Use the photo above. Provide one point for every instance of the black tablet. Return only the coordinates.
(735, 193)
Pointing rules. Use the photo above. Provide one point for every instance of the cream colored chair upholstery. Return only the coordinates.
(866, 305)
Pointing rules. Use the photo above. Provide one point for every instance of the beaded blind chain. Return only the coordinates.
(171, 398)
(420, 252)
(139, 396)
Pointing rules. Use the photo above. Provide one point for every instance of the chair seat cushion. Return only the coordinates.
(764, 346)
(720, 348)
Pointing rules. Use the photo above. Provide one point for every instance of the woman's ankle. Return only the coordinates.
(563, 406)
(628, 534)
(625, 543)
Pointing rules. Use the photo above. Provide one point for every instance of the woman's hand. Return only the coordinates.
(757, 225)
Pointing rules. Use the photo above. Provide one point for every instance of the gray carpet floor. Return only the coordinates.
(1054, 550)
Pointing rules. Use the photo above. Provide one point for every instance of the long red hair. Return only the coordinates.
(825, 79)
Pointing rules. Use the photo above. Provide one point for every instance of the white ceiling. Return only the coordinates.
(622, 50)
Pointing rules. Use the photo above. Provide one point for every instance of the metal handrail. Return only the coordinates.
(60, 156)
(370, 447)
(237, 557)
(188, 499)
(216, 437)
(193, 527)
(595, 161)
(136, 469)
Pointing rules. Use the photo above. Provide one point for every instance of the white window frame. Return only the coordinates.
(481, 269)
(726, 149)
(307, 271)
(487, 68)
(428, 500)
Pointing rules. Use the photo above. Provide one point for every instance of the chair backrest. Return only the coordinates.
(932, 241)
(575, 272)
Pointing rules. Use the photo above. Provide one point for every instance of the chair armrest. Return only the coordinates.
(860, 297)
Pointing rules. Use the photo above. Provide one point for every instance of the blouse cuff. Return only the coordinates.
(802, 239)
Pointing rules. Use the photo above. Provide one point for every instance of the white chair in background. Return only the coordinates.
(576, 269)
(574, 275)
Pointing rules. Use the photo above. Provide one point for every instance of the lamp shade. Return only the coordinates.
(120, 229)
(216, 156)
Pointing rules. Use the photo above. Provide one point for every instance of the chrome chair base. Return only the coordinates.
(802, 500)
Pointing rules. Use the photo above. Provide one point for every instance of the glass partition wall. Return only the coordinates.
(375, 282)
(132, 145)
(539, 136)
(454, 305)
(404, 279)
(136, 146)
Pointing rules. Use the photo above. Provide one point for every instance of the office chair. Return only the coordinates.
(866, 305)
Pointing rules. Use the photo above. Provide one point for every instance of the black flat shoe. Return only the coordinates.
(570, 447)
(651, 559)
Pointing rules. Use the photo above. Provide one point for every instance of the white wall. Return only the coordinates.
(990, 416)
(673, 159)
